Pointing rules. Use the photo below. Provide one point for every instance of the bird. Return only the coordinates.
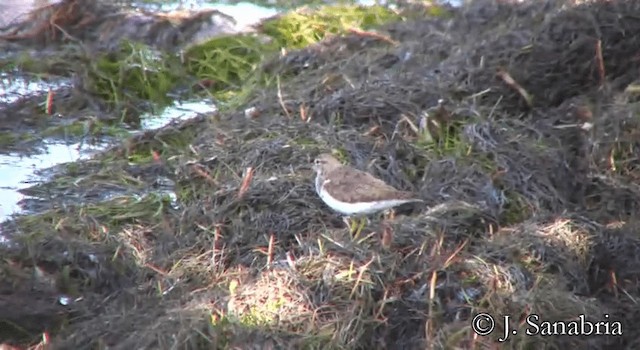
(352, 192)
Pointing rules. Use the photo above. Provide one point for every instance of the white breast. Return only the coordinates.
(359, 207)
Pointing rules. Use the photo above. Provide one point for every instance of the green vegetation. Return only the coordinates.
(288, 5)
(230, 66)
(207, 233)
(301, 28)
(227, 61)
(134, 73)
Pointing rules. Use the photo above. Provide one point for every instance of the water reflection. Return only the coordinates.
(12, 10)
(17, 171)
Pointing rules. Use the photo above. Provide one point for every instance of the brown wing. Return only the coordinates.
(348, 183)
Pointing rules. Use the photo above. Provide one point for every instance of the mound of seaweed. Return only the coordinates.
(516, 122)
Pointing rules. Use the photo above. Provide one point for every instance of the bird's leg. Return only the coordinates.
(389, 214)
(347, 221)
(355, 224)
(362, 223)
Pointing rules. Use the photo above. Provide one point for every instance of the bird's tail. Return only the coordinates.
(410, 197)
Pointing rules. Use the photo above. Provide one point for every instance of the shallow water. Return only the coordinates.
(17, 171)
(245, 13)
(12, 10)
(14, 87)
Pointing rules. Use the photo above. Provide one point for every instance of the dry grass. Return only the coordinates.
(531, 207)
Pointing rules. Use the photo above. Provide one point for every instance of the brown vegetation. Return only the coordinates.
(529, 168)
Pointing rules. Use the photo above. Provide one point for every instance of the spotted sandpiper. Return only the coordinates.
(354, 192)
